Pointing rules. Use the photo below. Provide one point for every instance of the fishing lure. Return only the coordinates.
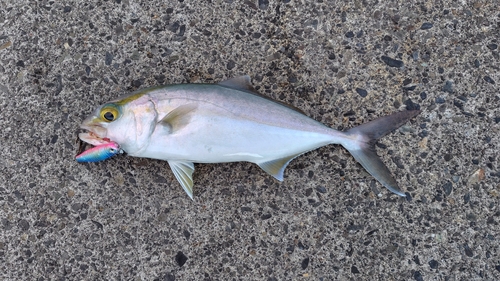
(99, 153)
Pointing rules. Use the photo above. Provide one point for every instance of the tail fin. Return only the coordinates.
(363, 149)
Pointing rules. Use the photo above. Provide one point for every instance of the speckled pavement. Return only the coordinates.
(343, 63)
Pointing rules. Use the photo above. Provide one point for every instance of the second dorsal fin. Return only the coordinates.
(243, 83)
(240, 83)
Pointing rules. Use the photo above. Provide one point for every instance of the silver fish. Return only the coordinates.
(228, 122)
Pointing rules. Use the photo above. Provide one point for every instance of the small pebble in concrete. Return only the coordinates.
(492, 46)
(305, 263)
(362, 92)
(426, 25)
(108, 58)
(489, 80)
(448, 87)
(392, 62)
(180, 258)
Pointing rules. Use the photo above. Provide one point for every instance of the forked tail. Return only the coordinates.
(363, 146)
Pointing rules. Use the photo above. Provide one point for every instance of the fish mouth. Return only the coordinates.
(93, 135)
(87, 137)
(92, 138)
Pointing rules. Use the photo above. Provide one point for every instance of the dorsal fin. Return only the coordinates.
(240, 83)
(243, 83)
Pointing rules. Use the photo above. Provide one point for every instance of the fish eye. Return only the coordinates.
(109, 113)
(109, 116)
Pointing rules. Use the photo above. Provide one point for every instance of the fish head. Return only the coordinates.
(128, 121)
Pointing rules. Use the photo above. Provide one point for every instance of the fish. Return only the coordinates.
(228, 121)
(98, 153)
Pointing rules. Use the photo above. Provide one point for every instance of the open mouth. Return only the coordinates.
(92, 135)
(92, 138)
(87, 139)
(95, 153)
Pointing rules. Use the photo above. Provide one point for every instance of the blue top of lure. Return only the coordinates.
(99, 153)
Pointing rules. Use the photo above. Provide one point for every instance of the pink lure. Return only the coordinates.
(99, 153)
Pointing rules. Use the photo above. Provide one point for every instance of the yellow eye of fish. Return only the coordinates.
(109, 114)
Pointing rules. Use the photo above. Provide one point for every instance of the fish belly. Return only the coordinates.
(215, 139)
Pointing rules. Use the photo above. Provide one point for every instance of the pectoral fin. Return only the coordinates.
(178, 118)
(183, 172)
(276, 167)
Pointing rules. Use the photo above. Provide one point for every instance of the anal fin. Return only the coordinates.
(276, 167)
(183, 172)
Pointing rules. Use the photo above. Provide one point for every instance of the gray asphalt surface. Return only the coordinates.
(341, 63)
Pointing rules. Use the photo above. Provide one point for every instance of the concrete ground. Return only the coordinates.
(343, 63)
